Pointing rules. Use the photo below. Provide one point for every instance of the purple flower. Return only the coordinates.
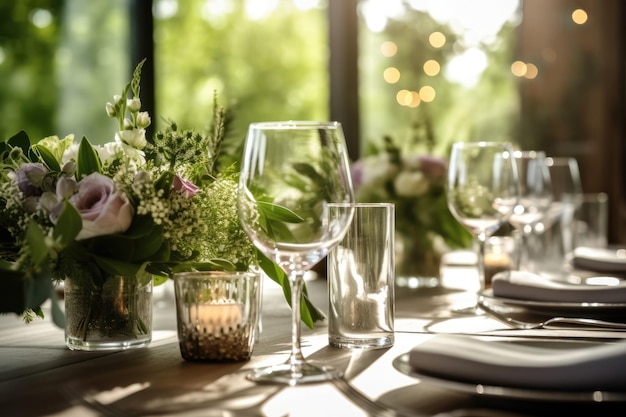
(31, 179)
(357, 173)
(103, 207)
(433, 167)
(186, 187)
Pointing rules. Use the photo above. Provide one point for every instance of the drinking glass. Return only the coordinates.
(534, 203)
(290, 173)
(482, 189)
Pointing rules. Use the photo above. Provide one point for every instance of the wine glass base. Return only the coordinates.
(471, 310)
(289, 374)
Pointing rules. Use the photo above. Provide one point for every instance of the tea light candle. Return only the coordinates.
(216, 317)
(495, 262)
(497, 259)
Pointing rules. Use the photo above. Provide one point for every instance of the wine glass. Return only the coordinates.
(534, 203)
(554, 233)
(481, 190)
(290, 173)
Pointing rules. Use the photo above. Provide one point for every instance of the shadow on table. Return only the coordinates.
(426, 399)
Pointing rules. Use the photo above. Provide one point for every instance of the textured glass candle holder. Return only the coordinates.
(217, 314)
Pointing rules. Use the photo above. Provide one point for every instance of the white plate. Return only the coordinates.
(600, 259)
(552, 305)
(401, 363)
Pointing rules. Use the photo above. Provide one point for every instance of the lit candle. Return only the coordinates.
(216, 317)
(494, 263)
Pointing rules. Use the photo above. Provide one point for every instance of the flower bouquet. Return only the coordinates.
(425, 228)
(110, 219)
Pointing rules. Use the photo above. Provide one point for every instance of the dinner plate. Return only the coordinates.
(401, 363)
(552, 306)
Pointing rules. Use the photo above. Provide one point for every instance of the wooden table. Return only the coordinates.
(39, 376)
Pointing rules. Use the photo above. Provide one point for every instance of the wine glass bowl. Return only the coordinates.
(554, 234)
(290, 173)
(534, 203)
(482, 190)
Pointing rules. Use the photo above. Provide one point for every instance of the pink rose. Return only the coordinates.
(186, 187)
(104, 208)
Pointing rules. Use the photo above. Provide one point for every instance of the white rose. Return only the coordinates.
(410, 184)
(377, 167)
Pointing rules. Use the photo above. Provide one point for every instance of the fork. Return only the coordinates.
(593, 324)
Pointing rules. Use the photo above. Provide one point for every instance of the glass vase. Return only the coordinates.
(113, 315)
(417, 262)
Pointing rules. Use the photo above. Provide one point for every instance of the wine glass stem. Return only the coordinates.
(296, 280)
(482, 238)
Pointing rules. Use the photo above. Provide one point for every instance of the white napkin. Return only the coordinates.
(510, 364)
(599, 259)
(528, 286)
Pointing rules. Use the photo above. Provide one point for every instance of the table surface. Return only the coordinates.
(39, 376)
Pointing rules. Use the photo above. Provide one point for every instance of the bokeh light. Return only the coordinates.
(389, 49)
(519, 68)
(427, 93)
(391, 75)
(531, 71)
(431, 67)
(437, 39)
(579, 16)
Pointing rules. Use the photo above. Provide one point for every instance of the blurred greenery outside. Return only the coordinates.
(62, 60)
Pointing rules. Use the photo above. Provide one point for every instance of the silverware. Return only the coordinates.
(373, 408)
(591, 324)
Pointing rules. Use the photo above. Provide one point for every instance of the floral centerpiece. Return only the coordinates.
(425, 228)
(139, 207)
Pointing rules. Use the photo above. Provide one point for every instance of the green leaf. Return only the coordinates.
(37, 289)
(36, 243)
(68, 226)
(164, 182)
(88, 160)
(20, 140)
(58, 316)
(116, 267)
(160, 279)
(275, 212)
(309, 314)
(309, 171)
(47, 157)
(12, 296)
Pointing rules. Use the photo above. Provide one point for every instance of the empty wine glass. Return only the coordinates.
(290, 173)
(482, 190)
(534, 203)
(554, 234)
